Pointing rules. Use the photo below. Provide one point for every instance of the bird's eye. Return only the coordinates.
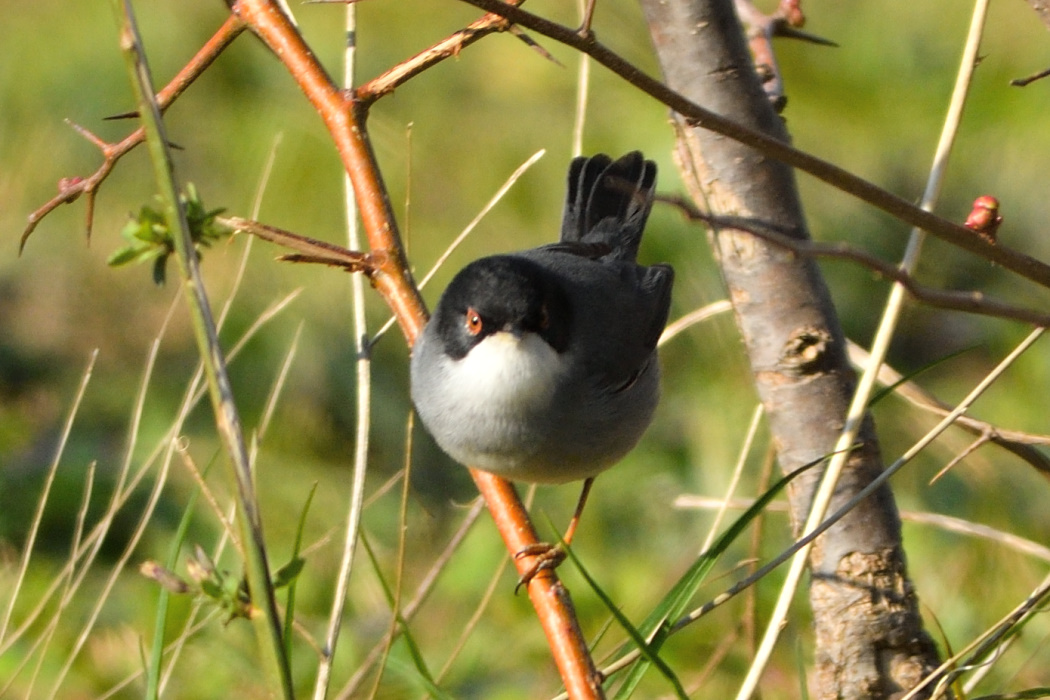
(545, 318)
(473, 322)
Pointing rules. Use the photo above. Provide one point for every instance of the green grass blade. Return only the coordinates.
(677, 600)
(416, 673)
(425, 675)
(889, 389)
(648, 653)
(157, 648)
(289, 612)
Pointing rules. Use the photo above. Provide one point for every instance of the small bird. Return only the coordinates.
(540, 366)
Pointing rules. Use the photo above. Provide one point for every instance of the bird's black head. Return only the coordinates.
(502, 293)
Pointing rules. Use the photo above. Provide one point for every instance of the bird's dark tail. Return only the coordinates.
(608, 202)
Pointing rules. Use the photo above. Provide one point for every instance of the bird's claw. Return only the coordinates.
(548, 557)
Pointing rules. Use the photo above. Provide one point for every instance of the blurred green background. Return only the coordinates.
(446, 142)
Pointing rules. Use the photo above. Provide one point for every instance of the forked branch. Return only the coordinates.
(71, 189)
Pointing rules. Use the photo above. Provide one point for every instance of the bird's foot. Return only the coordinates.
(547, 558)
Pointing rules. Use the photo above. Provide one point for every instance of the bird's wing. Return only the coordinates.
(656, 284)
(628, 348)
(589, 250)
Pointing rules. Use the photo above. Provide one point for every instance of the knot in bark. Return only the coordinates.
(806, 351)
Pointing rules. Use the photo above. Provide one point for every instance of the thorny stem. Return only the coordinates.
(942, 228)
(70, 190)
(449, 47)
(345, 119)
(761, 29)
(391, 276)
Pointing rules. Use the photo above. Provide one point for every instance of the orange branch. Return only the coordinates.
(386, 83)
(345, 119)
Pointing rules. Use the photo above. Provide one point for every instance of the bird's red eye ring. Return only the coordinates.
(473, 322)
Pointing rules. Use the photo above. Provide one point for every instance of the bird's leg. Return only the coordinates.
(549, 556)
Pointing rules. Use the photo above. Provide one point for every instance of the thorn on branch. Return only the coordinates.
(309, 250)
(90, 136)
(451, 46)
(534, 45)
(72, 188)
(783, 30)
(133, 114)
(761, 29)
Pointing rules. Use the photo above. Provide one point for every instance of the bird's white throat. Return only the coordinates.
(506, 370)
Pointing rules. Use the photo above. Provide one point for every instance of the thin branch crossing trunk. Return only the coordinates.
(869, 637)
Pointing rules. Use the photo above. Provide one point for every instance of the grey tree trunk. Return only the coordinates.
(869, 637)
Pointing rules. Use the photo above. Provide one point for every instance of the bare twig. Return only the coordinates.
(1022, 82)
(1020, 443)
(310, 249)
(450, 47)
(906, 211)
(970, 302)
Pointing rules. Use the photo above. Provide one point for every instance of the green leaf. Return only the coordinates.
(288, 573)
(160, 270)
(213, 590)
(127, 254)
(150, 234)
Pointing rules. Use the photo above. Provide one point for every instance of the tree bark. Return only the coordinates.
(870, 642)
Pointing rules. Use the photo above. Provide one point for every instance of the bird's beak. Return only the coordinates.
(513, 329)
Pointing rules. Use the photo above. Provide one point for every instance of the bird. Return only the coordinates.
(540, 366)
